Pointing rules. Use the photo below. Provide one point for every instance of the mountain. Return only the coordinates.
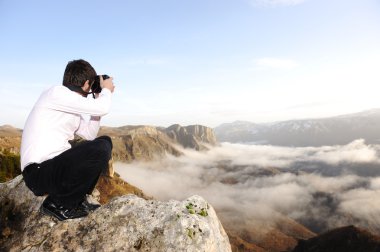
(193, 136)
(147, 142)
(10, 139)
(345, 239)
(139, 143)
(337, 130)
(134, 142)
(8, 130)
(283, 235)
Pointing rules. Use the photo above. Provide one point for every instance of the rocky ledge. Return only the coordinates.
(127, 223)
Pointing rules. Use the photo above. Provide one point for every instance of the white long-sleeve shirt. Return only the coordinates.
(55, 118)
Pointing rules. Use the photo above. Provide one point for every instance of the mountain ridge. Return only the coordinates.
(343, 239)
(336, 130)
(134, 142)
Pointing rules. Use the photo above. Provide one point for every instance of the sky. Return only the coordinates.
(197, 61)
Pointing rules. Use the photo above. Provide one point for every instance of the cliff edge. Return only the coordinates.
(126, 223)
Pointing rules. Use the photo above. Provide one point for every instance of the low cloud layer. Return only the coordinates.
(257, 185)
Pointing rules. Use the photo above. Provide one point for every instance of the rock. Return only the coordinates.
(127, 223)
(110, 187)
(194, 136)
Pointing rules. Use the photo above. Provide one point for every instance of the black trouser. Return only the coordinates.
(68, 177)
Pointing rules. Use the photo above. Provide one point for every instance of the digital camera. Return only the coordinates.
(95, 88)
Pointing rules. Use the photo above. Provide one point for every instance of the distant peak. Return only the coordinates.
(369, 112)
(242, 122)
(174, 127)
(7, 126)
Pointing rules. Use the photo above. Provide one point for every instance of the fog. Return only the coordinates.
(321, 188)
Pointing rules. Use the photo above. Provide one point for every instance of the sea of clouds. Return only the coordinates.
(319, 187)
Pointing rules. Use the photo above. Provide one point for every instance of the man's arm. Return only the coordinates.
(89, 129)
(63, 99)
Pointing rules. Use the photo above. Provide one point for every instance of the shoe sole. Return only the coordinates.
(50, 213)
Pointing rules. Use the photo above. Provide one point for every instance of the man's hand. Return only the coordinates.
(108, 83)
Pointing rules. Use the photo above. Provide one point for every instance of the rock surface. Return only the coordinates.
(193, 136)
(127, 223)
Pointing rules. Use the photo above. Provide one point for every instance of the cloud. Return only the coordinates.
(362, 203)
(276, 3)
(356, 151)
(258, 186)
(275, 63)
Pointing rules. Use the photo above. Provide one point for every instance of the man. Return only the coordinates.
(49, 165)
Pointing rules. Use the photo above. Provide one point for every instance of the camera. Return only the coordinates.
(95, 88)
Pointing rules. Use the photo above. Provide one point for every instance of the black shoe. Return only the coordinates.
(89, 207)
(60, 212)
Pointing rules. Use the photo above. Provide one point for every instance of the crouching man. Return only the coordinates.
(50, 166)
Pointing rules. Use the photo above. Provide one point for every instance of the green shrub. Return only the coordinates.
(10, 166)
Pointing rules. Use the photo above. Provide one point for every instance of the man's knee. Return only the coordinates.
(105, 139)
(104, 146)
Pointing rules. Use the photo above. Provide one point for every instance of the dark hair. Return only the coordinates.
(77, 72)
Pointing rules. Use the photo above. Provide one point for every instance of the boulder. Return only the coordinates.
(126, 223)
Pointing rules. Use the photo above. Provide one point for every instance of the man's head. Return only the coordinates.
(77, 72)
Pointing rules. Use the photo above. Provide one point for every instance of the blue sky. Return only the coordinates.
(197, 61)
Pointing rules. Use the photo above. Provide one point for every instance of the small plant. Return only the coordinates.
(203, 212)
(190, 233)
(190, 208)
